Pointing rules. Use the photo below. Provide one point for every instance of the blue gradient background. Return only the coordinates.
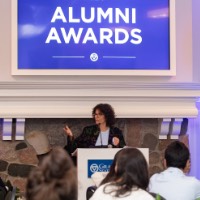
(34, 24)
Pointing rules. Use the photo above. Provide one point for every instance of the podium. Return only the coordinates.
(92, 160)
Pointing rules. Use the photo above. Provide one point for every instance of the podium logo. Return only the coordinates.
(94, 168)
(98, 166)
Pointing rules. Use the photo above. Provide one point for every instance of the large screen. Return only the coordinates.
(100, 37)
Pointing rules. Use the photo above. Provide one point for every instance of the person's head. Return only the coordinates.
(131, 171)
(40, 143)
(177, 155)
(54, 179)
(104, 113)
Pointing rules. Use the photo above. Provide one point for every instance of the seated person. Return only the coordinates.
(100, 178)
(130, 178)
(172, 183)
(54, 179)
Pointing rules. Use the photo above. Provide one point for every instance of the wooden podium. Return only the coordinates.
(95, 159)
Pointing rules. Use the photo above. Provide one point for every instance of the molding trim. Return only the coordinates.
(76, 99)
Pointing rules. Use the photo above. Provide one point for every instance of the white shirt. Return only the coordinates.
(102, 139)
(138, 194)
(173, 184)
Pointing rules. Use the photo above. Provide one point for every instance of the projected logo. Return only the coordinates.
(98, 166)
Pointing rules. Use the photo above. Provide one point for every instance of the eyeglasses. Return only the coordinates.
(97, 114)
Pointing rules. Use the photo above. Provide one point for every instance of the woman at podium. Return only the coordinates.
(102, 134)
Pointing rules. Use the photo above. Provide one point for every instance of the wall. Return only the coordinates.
(194, 138)
(72, 96)
(196, 39)
(18, 157)
(183, 51)
(24, 96)
(140, 91)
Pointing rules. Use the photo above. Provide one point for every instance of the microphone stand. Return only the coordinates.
(101, 140)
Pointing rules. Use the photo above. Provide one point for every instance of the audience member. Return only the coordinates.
(100, 178)
(130, 179)
(172, 183)
(54, 179)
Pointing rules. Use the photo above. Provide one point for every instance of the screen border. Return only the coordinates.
(133, 72)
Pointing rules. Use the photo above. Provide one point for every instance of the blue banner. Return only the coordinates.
(94, 34)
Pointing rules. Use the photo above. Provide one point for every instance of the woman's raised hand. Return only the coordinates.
(68, 131)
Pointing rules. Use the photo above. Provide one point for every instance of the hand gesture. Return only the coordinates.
(68, 131)
(115, 141)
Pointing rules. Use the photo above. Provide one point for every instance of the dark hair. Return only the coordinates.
(54, 179)
(40, 157)
(176, 155)
(108, 112)
(132, 171)
(111, 174)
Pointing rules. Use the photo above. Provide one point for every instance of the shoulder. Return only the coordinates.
(99, 194)
(192, 184)
(115, 129)
(155, 175)
(192, 180)
(91, 128)
(155, 180)
(161, 174)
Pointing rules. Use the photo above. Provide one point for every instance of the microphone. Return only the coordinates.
(101, 140)
(100, 135)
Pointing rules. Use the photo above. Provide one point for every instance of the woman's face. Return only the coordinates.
(99, 117)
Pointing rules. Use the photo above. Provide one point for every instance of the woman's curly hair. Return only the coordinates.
(108, 112)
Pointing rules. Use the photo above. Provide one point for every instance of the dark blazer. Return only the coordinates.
(89, 137)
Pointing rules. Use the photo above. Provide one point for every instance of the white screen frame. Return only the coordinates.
(135, 72)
